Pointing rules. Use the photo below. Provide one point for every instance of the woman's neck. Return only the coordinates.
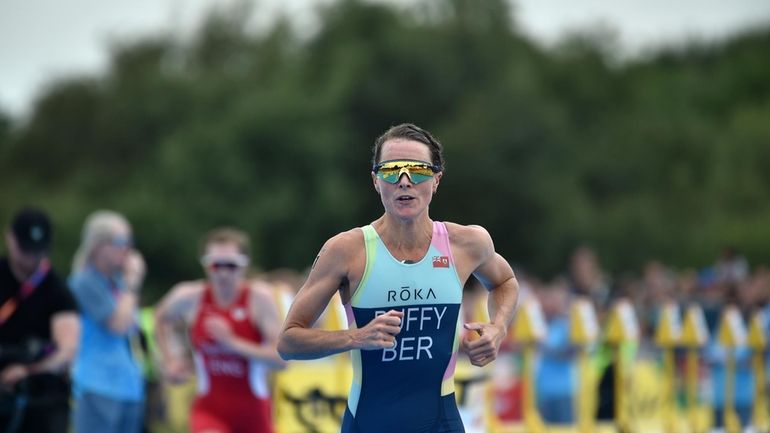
(225, 295)
(407, 241)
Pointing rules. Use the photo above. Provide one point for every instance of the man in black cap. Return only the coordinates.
(39, 331)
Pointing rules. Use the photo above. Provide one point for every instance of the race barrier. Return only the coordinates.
(665, 390)
(694, 337)
(757, 341)
(732, 335)
(584, 334)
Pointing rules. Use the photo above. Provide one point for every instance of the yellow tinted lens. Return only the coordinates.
(417, 171)
(421, 170)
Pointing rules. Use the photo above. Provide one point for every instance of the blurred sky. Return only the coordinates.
(44, 39)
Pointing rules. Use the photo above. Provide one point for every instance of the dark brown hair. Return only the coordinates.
(408, 131)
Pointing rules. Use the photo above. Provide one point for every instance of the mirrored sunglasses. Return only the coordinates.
(122, 241)
(417, 171)
(229, 263)
(227, 266)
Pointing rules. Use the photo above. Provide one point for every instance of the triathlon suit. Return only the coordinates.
(410, 388)
(233, 394)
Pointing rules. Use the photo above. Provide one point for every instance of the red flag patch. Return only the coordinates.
(440, 261)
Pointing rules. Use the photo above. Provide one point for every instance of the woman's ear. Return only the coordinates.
(437, 180)
(374, 181)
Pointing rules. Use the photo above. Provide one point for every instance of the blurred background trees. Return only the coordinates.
(663, 156)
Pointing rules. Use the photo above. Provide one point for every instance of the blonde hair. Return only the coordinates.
(99, 227)
(222, 235)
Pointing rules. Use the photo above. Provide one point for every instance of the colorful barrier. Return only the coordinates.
(311, 396)
(528, 330)
(757, 341)
(668, 337)
(694, 337)
(732, 335)
(621, 336)
(584, 334)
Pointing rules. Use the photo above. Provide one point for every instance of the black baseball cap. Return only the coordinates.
(32, 230)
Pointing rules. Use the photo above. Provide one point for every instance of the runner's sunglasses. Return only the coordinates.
(417, 171)
(230, 263)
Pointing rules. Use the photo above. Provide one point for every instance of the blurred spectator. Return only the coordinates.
(687, 286)
(761, 278)
(731, 267)
(587, 278)
(712, 297)
(108, 383)
(39, 331)
(555, 377)
(658, 284)
(750, 294)
(659, 281)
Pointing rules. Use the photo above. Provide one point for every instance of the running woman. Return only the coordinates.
(232, 325)
(400, 279)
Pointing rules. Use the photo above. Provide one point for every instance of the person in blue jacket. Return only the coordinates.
(108, 383)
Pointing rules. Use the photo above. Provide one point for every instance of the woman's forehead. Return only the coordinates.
(120, 229)
(403, 148)
(223, 248)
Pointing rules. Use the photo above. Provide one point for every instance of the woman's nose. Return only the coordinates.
(404, 180)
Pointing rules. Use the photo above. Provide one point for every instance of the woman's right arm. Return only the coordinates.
(330, 273)
(171, 320)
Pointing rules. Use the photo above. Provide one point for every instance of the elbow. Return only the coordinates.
(277, 360)
(285, 356)
(283, 350)
(285, 347)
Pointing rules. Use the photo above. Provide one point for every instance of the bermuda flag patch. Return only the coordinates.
(440, 261)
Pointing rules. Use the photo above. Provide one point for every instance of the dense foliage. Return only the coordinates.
(662, 157)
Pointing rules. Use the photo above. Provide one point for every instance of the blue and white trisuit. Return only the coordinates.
(410, 388)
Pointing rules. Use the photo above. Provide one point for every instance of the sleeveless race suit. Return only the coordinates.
(233, 393)
(410, 388)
